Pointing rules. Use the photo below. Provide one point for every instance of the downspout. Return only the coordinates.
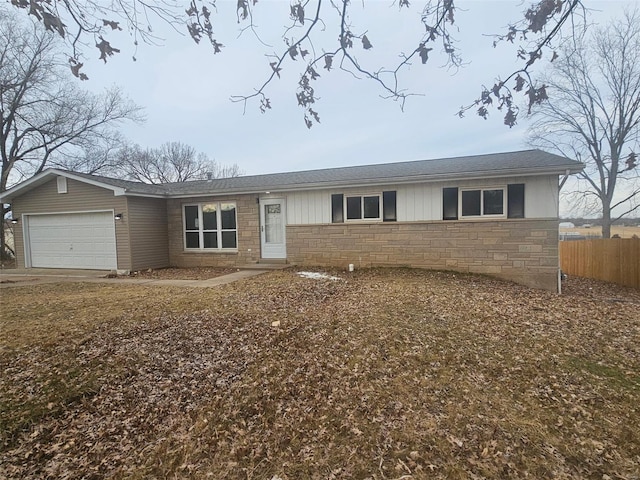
(562, 182)
(564, 179)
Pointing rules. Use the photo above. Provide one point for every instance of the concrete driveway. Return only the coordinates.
(36, 276)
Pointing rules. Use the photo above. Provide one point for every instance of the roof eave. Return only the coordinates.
(559, 170)
(129, 193)
(43, 177)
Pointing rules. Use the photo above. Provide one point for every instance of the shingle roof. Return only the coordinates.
(128, 185)
(496, 164)
(490, 165)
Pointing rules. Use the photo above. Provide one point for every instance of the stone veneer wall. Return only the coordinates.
(247, 212)
(524, 251)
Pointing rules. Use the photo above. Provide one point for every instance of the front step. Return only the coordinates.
(273, 261)
(265, 266)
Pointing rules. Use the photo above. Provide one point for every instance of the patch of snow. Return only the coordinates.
(317, 276)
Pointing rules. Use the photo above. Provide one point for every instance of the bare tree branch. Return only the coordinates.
(44, 117)
(171, 162)
(594, 114)
(82, 23)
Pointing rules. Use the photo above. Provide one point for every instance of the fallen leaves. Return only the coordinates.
(195, 273)
(384, 374)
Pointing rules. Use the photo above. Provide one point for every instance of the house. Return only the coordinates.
(495, 214)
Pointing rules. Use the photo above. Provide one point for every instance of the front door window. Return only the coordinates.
(273, 223)
(273, 226)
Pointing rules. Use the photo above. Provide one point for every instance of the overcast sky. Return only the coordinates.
(185, 90)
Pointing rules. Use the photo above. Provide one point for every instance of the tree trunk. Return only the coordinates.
(4, 254)
(606, 220)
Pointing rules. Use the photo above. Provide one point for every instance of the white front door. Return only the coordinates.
(273, 228)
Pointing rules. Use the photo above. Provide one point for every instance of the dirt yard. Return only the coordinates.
(381, 374)
(196, 273)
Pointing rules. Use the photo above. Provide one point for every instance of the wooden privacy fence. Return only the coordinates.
(614, 260)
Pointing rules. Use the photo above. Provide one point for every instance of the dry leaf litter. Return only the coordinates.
(382, 374)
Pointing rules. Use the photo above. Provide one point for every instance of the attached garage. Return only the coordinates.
(71, 240)
(79, 221)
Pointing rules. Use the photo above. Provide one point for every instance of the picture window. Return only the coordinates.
(210, 226)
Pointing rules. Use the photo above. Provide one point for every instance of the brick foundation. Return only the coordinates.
(524, 251)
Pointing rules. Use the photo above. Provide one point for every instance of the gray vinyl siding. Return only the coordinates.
(147, 219)
(80, 197)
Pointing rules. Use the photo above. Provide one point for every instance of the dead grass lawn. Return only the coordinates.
(171, 273)
(383, 374)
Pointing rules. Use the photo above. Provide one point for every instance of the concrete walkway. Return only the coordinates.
(37, 276)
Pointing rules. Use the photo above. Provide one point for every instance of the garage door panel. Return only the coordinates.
(79, 240)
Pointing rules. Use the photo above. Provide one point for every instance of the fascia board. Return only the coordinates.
(385, 181)
(117, 191)
(43, 177)
(145, 195)
(27, 185)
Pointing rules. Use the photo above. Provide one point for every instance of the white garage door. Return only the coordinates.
(74, 240)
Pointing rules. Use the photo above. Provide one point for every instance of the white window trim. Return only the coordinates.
(482, 190)
(201, 229)
(362, 195)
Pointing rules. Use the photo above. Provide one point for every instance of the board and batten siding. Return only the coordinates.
(311, 207)
(80, 197)
(423, 201)
(149, 239)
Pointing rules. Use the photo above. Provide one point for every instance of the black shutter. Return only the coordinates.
(336, 208)
(515, 200)
(389, 206)
(450, 203)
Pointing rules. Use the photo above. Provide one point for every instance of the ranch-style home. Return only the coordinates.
(495, 214)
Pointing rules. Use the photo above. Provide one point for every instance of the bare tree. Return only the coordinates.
(593, 114)
(45, 119)
(172, 162)
(304, 46)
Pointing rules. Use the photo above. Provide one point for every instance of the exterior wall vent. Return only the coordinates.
(62, 184)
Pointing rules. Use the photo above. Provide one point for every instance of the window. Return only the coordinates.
(336, 208)
(470, 203)
(210, 226)
(363, 207)
(450, 203)
(515, 196)
(389, 206)
(482, 202)
(493, 202)
(354, 208)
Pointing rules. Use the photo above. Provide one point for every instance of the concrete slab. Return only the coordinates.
(37, 276)
(53, 272)
(231, 277)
